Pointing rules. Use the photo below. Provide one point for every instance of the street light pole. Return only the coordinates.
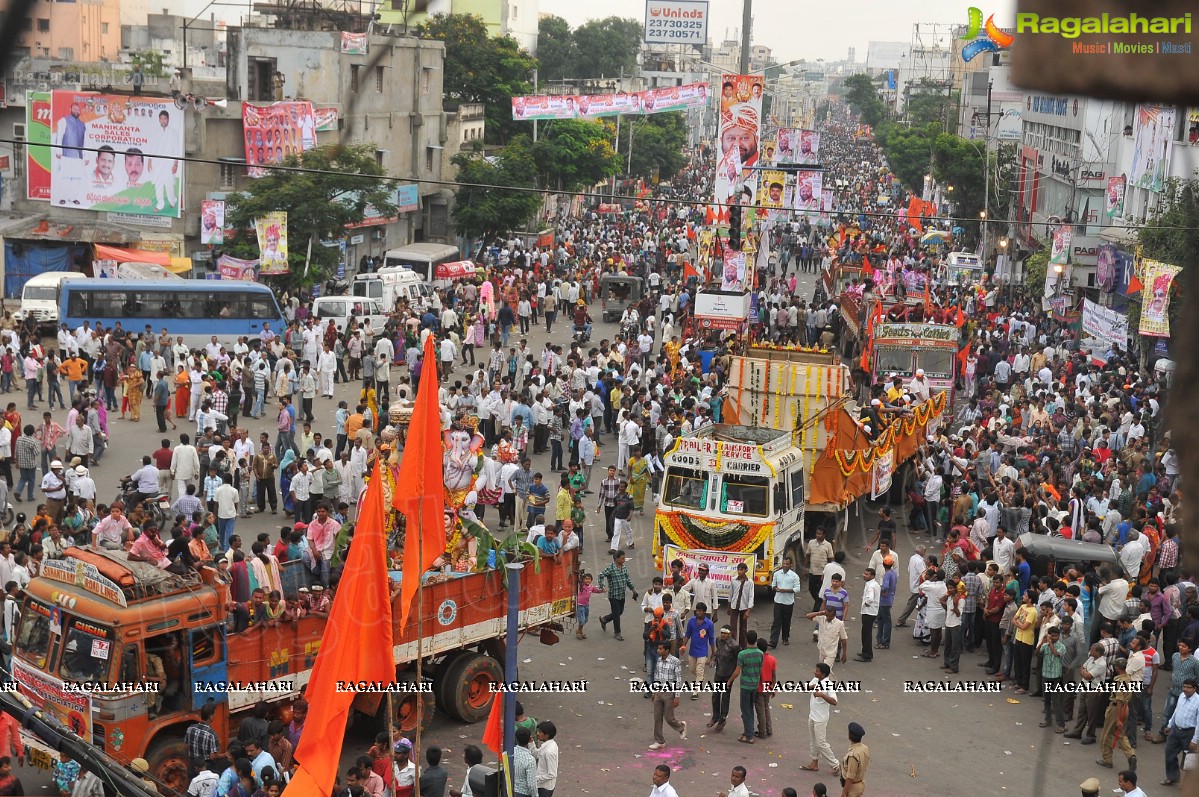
(747, 21)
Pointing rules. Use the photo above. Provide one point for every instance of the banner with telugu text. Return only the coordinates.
(1155, 298)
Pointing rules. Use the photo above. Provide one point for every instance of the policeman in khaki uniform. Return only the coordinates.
(1114, 720)
(855, 763)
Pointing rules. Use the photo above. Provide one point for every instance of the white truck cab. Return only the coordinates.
(39, 297)
(342, 308)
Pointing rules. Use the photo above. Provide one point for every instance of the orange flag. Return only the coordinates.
(493, 735)
(356, 646)
(1135, 286)
(961, 319)
(963, 356)
(690, 271)
(422, 499)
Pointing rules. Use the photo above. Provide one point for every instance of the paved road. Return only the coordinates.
(920, 745)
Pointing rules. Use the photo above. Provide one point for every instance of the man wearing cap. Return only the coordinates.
(404, 771)
(1114, 720)
(142, 767)
(55, 488)
(1090, 787)
(855, 763)
(725, 659)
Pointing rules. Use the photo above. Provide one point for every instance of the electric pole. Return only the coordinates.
(747, 21)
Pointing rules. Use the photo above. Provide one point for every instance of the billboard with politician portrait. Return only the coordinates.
(738, 136)
(275, 132)
(809, 196)
(111, 153)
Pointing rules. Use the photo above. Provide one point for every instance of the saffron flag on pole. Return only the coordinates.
(356, 646)
(420, 493)
(493, 735)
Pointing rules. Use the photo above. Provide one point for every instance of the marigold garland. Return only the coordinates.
(681, 529)
(851, 461)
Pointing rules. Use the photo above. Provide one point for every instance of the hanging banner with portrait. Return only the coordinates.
(1114, 203)
(738, 136)
(275, 132)
(271, 229)
(1155, 298)
(809, 192)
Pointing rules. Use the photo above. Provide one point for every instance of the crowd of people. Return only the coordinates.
(1045, 439)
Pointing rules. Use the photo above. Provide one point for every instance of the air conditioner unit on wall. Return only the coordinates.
(18, 131)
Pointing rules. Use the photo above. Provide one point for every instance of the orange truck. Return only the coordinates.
(90, 621)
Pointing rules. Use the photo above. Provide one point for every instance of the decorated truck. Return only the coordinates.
(809, 393)
(731, 494)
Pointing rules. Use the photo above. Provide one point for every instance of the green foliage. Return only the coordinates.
(929, 103)
(512, 548)
(556, 49)
(574, 154)
(481, 68)
(482, 207)
(909, 151)
(603, 47)
(319, 204)
(1036, 271)
(151, 62)
(915, 151)
(862, 95)
(658, 142)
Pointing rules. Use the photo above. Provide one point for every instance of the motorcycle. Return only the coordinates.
(581, 335)
(158, 508)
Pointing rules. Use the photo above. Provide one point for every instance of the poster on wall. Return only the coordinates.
(738, 136)
(769, 153)
(1153, 139)
(275, 132)
(1114, 202)
(1155, 298)
(118, 154)
(353, 43)
(37, 158)
(826, 203)
(212, 221)
(809, 192)
(272, 243)
(326, 119)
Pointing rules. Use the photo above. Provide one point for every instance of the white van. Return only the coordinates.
(39, 297)
(342, 308)
(422, 258)
(389, 284)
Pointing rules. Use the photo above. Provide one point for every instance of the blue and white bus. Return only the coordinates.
(195, 309)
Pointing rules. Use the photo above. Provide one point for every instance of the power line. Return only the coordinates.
(873, 214)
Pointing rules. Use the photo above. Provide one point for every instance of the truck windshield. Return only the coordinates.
(686, 487)
(937, 363)
(33, 635)
(745, 495)
(87, 653)
(40, 293)
(897, 361)
(370, 288)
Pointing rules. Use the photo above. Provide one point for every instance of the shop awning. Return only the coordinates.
(122, 255)
(455, 270)
(40, 228)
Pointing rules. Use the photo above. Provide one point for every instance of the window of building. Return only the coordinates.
(228, 176)
(27, 23)
(354, 77)
(66, 53)
(379, 79)
(43, 25)
(428, 159)
(379, 157)
(104, 27)
(514, 11)
(424, 81)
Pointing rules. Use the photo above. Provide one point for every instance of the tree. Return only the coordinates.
(556, 49)
(605, 47)
(573, 154)
(658, 142)
(344, 181)
(482, 206)
(862, 95)
(928, 103)
(909, 151)
(481, 68)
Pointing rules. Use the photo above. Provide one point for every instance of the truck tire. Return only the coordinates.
(169, 762)
(405, 708)
(468, 686)
(443, 687)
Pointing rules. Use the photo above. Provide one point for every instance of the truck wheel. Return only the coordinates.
(443, 687)
(406, 708)
(169, 763)
(468, 686)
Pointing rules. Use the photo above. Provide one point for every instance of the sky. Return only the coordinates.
(795, 29)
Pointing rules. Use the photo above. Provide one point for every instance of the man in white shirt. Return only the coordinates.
(916, 565)
(919, 386)
(819, 701)
(871, 594)
(661, 779)
(1132, 554)
(1003, 551)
